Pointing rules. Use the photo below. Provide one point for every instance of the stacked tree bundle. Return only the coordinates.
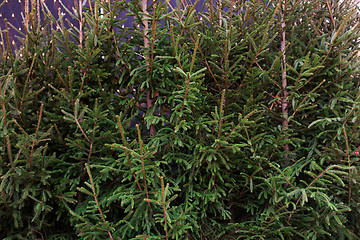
(237, 120)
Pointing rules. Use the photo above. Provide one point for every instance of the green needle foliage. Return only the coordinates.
(240, 121)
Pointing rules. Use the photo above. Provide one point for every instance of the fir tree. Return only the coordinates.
(239, 121)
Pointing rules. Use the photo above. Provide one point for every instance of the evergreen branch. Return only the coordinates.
(285, 101)
(283, 175)
(295, 111)
(126, 151)
(164, 207)
(185, 95)
(34, 140)
(222, 104)
(271, 220)
(142, 163)
(94, 194)
(349, 162)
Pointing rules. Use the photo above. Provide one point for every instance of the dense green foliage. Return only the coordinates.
(237, 122)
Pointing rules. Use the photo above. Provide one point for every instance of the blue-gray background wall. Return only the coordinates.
(13, 11)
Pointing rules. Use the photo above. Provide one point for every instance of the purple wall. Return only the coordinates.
(13, 11)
